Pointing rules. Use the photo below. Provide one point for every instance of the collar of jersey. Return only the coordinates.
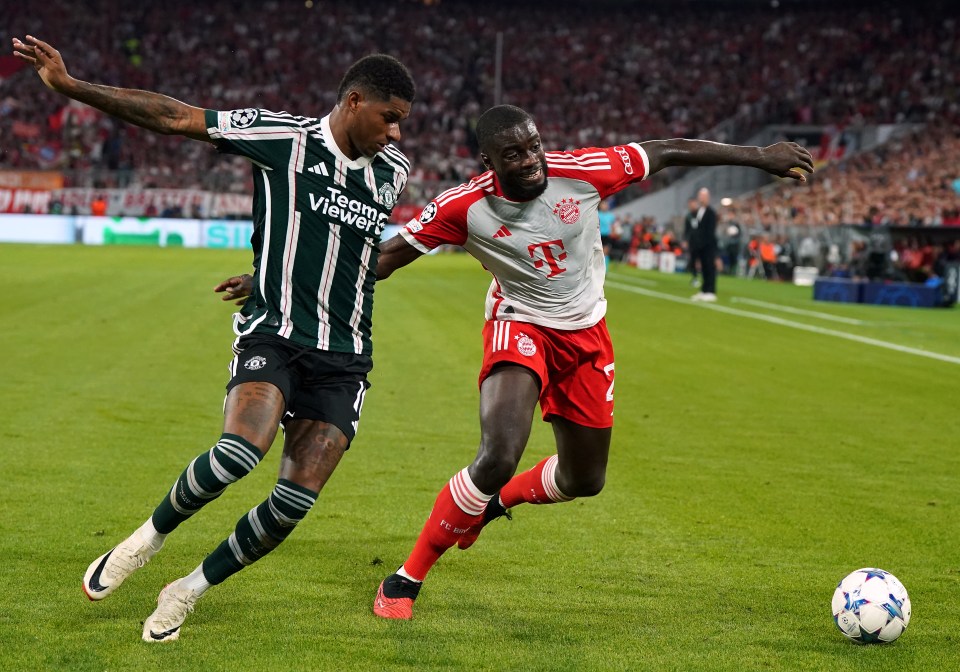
(362, 162)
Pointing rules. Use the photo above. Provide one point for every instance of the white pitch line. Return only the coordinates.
(788, 323)
(797, 311)
(639, 281)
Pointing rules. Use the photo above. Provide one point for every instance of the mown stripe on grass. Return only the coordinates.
(788, 323)
(798, 311)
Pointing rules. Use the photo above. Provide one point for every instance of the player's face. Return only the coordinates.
(375, 123)
(517, 157)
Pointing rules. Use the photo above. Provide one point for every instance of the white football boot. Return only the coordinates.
(173, 605)
(106, 573)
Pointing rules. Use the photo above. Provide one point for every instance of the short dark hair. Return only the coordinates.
(498, 119)
(380, 75)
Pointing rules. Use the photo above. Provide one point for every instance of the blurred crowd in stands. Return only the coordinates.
(913, 180)
(591, 73)
(900, 254)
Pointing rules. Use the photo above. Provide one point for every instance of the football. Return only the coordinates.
(871, 606)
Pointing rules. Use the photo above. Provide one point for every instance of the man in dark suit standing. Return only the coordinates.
(705, 234)
(690, 239)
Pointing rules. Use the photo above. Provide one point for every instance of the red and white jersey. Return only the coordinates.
(545, 254)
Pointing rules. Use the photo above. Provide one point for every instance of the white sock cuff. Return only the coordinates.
(405, 574)
(196, 581)
(148, 532)
(549, 479)
(466, 495)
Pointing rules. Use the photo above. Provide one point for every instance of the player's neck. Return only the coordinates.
(338, 127)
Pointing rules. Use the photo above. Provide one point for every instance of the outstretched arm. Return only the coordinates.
(395, 253)
(783, 159)
(152, 111)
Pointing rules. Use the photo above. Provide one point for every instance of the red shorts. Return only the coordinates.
(575, 367)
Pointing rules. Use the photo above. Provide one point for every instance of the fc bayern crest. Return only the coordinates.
(568, 210)
(525, 345)
(388, 195)
(255, 363)
(243, 118)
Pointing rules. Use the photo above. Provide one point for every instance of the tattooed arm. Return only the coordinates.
(152, 111)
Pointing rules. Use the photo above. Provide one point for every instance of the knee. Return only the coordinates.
(311, 452)
(581, 485)
(491, 471)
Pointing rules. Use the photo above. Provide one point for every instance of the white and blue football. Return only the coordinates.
(871, 606)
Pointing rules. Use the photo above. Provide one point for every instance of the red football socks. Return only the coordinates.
(535, 486)
(458, 506)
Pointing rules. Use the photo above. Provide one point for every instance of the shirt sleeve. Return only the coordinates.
(438, 225)
(260, 135)
(609, 169)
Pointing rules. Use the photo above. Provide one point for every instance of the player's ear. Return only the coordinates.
(486, 161)
(353, 100)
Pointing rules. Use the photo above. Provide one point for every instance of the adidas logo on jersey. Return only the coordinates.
(502, 232)
(319, 169)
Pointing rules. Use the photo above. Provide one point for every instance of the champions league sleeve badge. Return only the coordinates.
(428, 213)
(243, 118)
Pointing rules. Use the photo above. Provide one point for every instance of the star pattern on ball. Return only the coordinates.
(874, 574)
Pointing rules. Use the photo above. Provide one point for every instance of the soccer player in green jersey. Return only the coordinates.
(324, 190)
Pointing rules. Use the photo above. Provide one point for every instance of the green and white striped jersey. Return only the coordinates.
(318, 217)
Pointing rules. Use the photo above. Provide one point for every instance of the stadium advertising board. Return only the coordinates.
(143, 231)
(27, 190)
(36, 229)
(148, 232)
(227, 235)
(24, 200)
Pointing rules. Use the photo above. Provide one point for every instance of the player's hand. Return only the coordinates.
(237, 288)
(787, 159)
(45, 60)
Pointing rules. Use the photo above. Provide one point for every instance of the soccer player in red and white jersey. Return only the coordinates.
(531, 220)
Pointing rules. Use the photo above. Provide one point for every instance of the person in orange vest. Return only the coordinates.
(768, 256)
(98, 206)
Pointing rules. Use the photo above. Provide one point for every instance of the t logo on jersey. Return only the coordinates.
(548, 257)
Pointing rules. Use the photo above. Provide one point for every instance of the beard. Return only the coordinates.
(524, 191)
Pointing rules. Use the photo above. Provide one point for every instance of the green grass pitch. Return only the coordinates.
(755, 462)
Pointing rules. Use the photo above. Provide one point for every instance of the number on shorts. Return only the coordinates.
(608, 369)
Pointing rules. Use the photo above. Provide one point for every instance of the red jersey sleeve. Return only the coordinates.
(609, 169)
(444, 220)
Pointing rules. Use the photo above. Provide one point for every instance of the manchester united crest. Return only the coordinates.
(388, 195)
(255, 363)
(568, 210)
